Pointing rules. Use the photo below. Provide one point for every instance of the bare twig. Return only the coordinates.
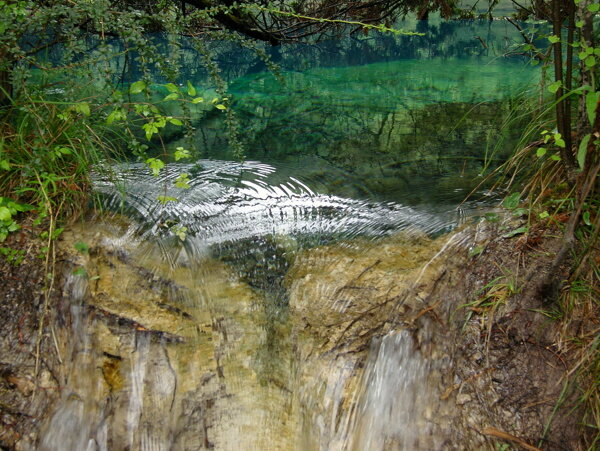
(491, 431)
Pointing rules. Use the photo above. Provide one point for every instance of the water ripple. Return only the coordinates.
(231, 201)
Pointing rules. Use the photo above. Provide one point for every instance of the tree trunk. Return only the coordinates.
(563, 123)
(6, 89)
(583, 14)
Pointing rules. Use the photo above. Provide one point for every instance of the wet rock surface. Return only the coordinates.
(146, 347)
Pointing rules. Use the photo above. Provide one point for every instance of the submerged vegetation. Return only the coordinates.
(87, 84)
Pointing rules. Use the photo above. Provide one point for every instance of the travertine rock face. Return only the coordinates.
(166, 353)
(161, 349)
(351, 290)
(365, 382)
(177, 351)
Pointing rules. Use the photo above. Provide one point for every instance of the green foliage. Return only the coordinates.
(491, 297)
(155, 165)
(180, 232)
(82, 247)
(181, 153)
(13, 256)
(8, 212)
(182, 181)
(166, 199)
(511, 202)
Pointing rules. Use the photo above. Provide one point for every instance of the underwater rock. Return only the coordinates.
(354, 306)
(161, 354)
(348, 292)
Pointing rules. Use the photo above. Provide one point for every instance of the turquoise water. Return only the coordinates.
(370, 116)
(390, 86)
(397, 130)
(414, 119)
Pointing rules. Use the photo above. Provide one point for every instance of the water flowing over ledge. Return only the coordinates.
(280, 321)
(229, 202)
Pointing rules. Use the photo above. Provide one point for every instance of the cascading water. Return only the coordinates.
(252, 331)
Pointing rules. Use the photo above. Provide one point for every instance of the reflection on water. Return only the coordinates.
(387, 126)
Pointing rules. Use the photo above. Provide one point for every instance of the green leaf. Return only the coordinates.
(553, 39)
(590, 62)
(582, 152)
(57, 232)
(492, 217)
(150, 128)
(142, 109)
(160, 121)
(155, 165)
(172, 88)
(515, 232)
(544, 215)
(197, 100)
(182, 181)
(579, 24)
(137, 87)
(554, 87)
(541, 152)
(181, 232)
(591, 103)
(190, 89)
(594, 7)
(165, 199)
(511, 202)
(582, 55)
(586, 218)
(117, 96)
(111, 117)
(4, 164)
(21, 207)
(175, 121)
(220, 106)
(520, 212)
(82, 247)
(81, 272)
(5, 214)
(555, 157)
(181, 153)
(64, 150)
(476, 251)
(172, 96)
(83, 108)
(116, 115)
(558, 139)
